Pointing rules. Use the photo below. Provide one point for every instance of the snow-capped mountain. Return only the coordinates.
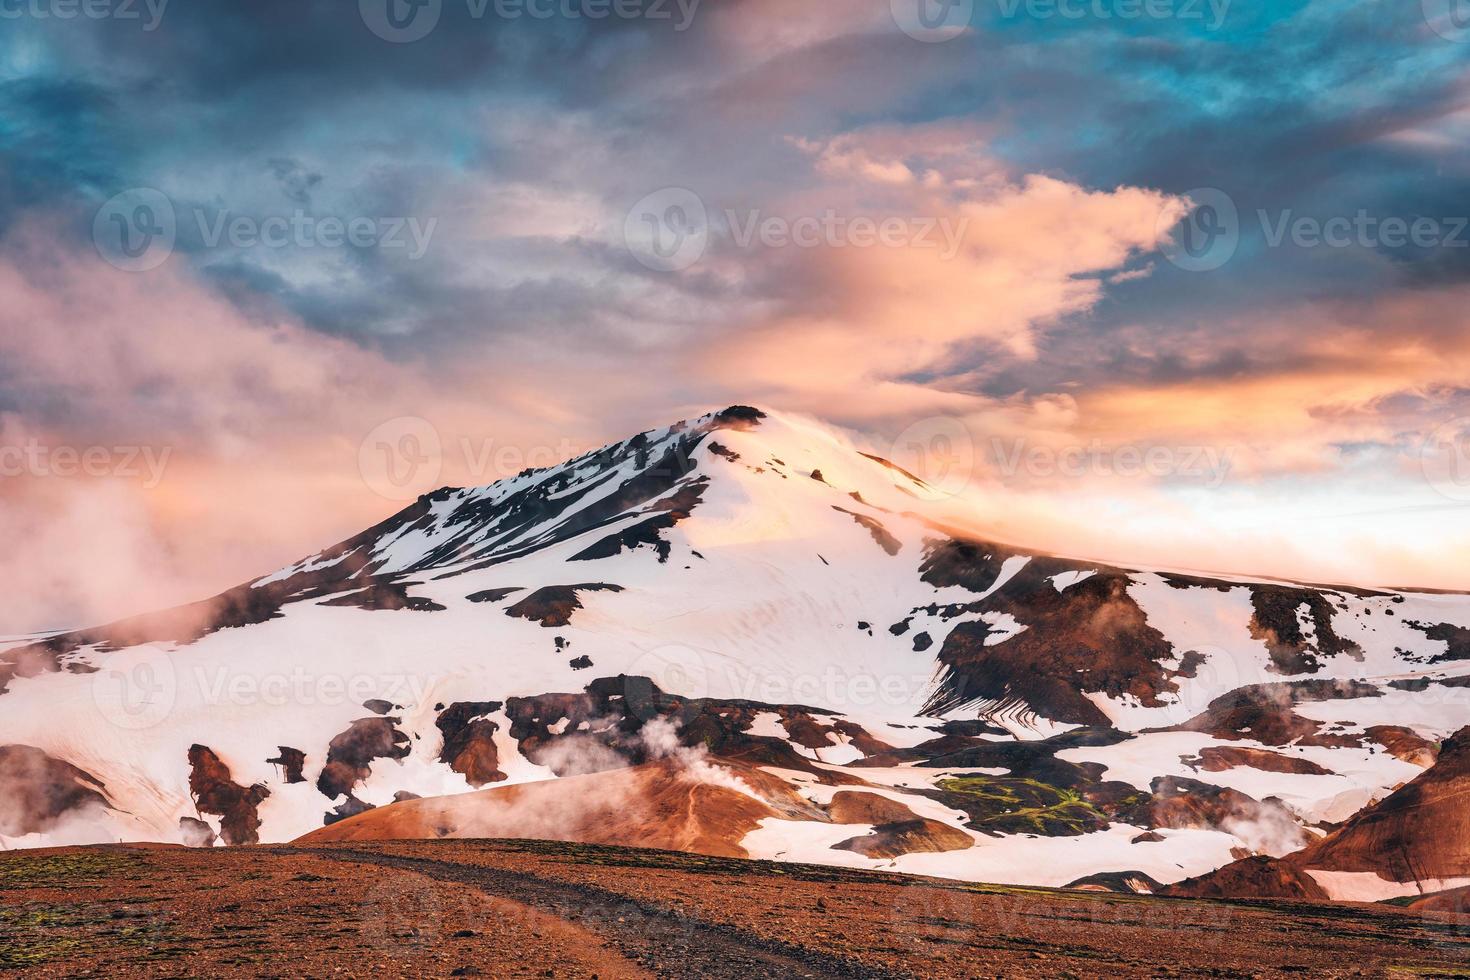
(774, 630)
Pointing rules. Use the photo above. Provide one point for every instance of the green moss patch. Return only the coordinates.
(1010, 805)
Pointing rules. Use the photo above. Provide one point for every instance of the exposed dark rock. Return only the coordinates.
(669, 512)
(493, 595)
(553, 605)
(1277, 624)
(216, 793)
(37, 791)
(386, 595)
(350, 807)
(196, 833)
(1219, 758)
(1091, 639)
(875, 527)
(291, 761)
(1456, 639)
(1120, 882)
(739, 417)
(469, 741)
(916, 836)
(601, 726)
(351, 754)
(580, 663)
(378, 706)
(1263, 713)
(922, 642)
(1251, 877)
(1181, 804)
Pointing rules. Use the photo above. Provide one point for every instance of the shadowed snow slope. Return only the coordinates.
(743, 593)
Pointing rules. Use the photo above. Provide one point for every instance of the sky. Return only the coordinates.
(1184, 282)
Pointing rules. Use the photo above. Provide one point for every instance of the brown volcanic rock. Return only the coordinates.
(660, 805)
(1264, 713)
(921, 835)
(1419, 832)
(469, 741)
(553, 605)
(1091, 638)
(36, 790)
(350, 754)
(1181, 804)
(601, 728)
(1252, 877)
(850, 806)
(1276, 623)
(1405, 744)
(897, 830)
(1219, 758)
(1454, 901)
(215, 792)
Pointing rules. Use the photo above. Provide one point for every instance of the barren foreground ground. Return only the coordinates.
(522, 908)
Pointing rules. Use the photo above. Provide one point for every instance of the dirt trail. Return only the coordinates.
(669, 943)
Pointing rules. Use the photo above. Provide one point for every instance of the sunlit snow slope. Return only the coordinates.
(747, 604)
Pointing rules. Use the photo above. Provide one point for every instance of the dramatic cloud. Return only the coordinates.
(1022, 181)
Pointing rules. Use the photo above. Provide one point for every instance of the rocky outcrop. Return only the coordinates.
(553, 605)
(1420, 832)
(37, 791)
(1091, 638)
(1405, 744)
(351, 754)
(1220, 758)
(469, 741)
(216, 793)
(897, 830)
(1252, 877)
